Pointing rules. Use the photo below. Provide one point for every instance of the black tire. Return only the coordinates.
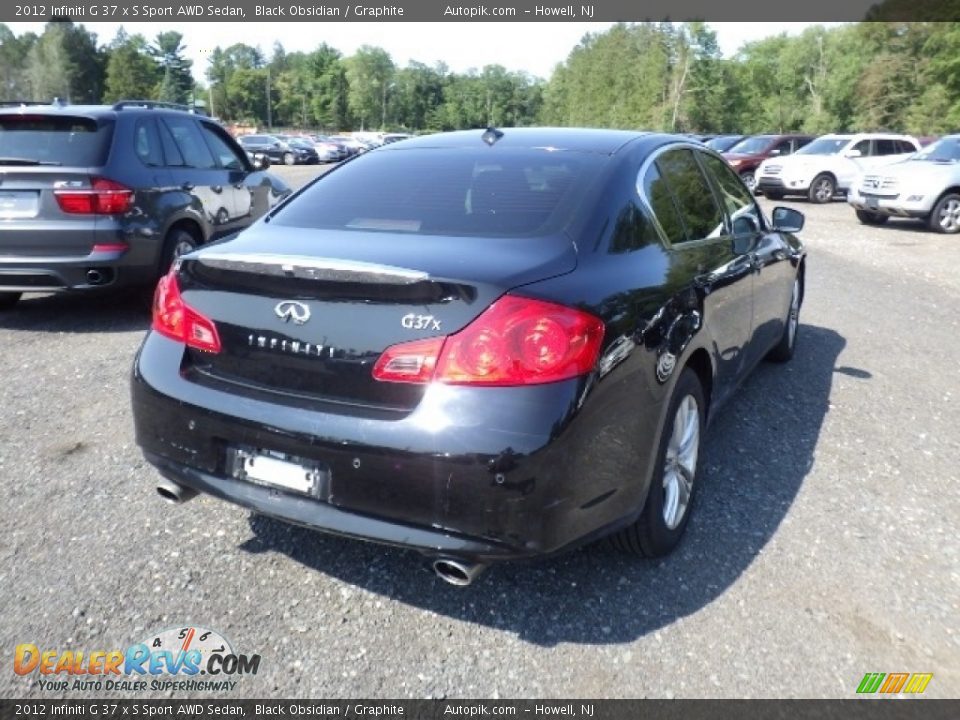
(651, 536)
(179, 242)
(945, 217)
(871, 218)
(750, 180)
(783, 351)
(9, 299)
(822, 189)
(289, 159)
(773, 194)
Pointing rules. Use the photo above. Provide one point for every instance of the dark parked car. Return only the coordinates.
(276, 149)
(722, 143)
(481, 345)
(95, 197)
(303, 147)
(745, 156)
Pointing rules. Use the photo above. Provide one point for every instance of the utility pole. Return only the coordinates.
(269, 103)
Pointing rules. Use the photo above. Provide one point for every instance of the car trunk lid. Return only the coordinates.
(308, 321)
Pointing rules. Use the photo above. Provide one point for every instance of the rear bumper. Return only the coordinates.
(305, 511)
(479, 473)
(26, 267)
(97, 271)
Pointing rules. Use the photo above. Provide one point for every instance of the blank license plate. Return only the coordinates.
(18, 204)
(288, 473)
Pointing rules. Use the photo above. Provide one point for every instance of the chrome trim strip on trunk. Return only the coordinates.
(311, 268)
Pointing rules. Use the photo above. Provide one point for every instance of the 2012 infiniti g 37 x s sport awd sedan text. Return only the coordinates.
(482, 345)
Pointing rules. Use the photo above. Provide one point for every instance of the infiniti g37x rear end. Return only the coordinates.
(444, 345)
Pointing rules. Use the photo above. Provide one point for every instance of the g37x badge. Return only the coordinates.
(412, 321)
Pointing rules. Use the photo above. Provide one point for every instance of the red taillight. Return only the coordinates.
(178, 321)
(516, 341)
(104, 197)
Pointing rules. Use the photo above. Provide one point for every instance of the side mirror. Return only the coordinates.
(261, 161)
(787, 220)
(852, 153)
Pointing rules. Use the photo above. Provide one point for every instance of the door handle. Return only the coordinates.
(188, 186)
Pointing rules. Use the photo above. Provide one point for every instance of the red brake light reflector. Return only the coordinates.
(412, 362)
(173, 318)
(516, 341)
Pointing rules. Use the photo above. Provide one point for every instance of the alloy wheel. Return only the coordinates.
(680, 464)
(823, 190)
(949, 217)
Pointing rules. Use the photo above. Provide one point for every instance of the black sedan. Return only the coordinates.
(278, 150)
(482, 345)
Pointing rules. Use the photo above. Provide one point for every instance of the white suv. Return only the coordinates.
(830, 164)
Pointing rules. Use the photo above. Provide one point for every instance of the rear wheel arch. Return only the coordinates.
(183, 225)
(699, 361)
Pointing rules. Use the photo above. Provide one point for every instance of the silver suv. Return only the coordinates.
(925, 186)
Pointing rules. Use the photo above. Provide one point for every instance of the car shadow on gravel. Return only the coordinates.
(757, 454)
(124, 311)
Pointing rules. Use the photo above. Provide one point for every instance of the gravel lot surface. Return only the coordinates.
(824, 543)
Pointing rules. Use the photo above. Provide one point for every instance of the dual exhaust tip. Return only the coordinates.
(457, 572)
(451, 570)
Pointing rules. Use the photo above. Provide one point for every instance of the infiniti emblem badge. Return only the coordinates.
(292, 310)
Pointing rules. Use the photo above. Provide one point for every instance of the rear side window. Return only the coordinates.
(55, 140)
(782, 148)
(701, 215)
(663, 205)
(190, 143)
(886, 147)
(146, 143)
(462, 192)
(632, 231)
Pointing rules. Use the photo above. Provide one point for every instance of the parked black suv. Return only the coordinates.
(95, 197)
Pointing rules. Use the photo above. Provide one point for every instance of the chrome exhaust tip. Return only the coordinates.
(174, 493)
(457, 572)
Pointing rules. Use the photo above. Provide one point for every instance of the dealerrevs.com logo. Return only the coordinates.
(180, 659)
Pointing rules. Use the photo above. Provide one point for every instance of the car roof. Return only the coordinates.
(579, 139)
(94, 111)
(865, 135)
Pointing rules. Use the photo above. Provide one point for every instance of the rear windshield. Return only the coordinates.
(54, 140)
(491, 192)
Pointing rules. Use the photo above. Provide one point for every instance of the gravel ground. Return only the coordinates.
(823, 545)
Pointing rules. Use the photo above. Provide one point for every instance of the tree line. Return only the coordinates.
(899, 76)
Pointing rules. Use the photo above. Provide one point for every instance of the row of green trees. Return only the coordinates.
(871, 75)
(667, 76)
